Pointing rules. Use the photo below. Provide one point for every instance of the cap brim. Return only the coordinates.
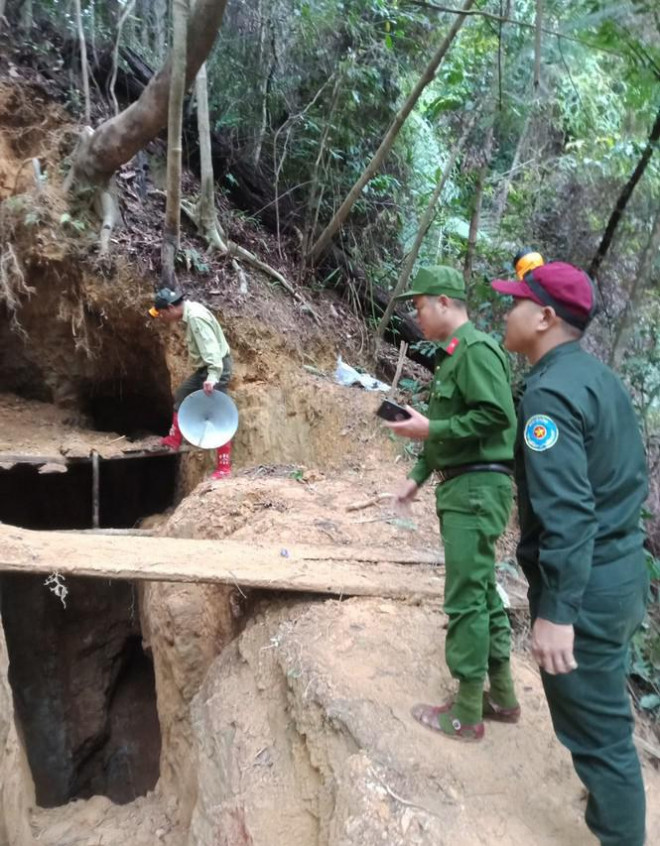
(407, 295)
(512, 289)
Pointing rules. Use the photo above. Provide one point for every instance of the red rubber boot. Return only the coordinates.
(223, 467)
(173, 440)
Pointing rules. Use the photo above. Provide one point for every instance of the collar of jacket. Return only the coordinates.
(552, 355)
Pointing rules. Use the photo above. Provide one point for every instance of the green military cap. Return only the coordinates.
(434, 281)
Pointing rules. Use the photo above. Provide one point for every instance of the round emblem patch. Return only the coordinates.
(541, 432)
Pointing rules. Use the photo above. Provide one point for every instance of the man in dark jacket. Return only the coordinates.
(581, 476)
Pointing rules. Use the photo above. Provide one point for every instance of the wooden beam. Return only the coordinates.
(156, 452)
(335, 570)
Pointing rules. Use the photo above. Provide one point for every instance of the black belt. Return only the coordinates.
(452, 472)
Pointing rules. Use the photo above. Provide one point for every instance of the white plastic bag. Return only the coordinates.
(347, 376)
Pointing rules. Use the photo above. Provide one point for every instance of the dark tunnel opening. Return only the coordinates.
(128, 408)
(84, 688)
(129, 488)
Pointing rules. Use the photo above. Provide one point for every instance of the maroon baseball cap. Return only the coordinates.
(564, 287)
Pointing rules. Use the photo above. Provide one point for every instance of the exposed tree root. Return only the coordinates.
(103, 199)
(13, 285)
(217, 240)
(108, 208)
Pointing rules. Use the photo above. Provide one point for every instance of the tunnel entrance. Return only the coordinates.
(129, 489)
(122, 406)
(83, 686)
(84, 690)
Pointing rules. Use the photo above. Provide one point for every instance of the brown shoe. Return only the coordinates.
(495, 712)
(440, 718)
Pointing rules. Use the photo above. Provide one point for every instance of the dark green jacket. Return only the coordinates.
(581, 477)
(470, 406)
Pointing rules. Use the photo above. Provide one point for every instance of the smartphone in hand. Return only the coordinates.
(392, 412)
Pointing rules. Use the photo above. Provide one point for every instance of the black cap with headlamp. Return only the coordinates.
(164, 298)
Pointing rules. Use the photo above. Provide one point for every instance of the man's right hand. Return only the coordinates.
(404, 496)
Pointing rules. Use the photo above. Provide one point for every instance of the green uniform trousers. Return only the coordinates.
(590, 707)
(474, 510)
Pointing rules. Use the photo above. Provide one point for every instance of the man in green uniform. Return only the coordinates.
(210, 356)
(468, 436)
(581, 478)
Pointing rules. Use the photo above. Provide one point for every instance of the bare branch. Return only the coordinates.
(83, 62)
(622, 201)
(537, 46)
(369, 172)
(115, 54)
(489, 16)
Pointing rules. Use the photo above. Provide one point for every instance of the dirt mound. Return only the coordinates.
(145, 822)
(291, 505)
(304, 735)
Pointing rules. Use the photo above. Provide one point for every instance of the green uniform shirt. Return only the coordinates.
(205, 339)
(471, 413)
(581, 477)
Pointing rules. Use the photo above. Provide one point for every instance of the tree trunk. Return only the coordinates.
(623, 199)
(474, 223)
(25, 19)
(144, 13)
(316, 188)
(386, 145)
(174, 150)
(264, 29)
(115, 55)
(206, 214)
(117, 140)
(478, 201)
(537, 47)
(160, 32)
(424, 224)
(503, 194)
(84, 67)
(635, 292)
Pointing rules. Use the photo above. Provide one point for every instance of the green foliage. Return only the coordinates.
(192, 259)
(74, 223)
(644, 661)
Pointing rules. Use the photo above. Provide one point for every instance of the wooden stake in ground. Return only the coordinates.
(367, 503)
(403, 351)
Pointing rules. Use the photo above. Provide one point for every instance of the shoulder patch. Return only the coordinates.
(541, 432)
(450, 349)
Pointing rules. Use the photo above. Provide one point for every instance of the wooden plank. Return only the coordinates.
(10, 458)
(335, 570)
(154, 452)
(137, 533)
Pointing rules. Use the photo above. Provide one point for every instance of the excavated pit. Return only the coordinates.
(111, 381)
(83, 687)
(129, 489)
(84, 690)
(84, 377)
